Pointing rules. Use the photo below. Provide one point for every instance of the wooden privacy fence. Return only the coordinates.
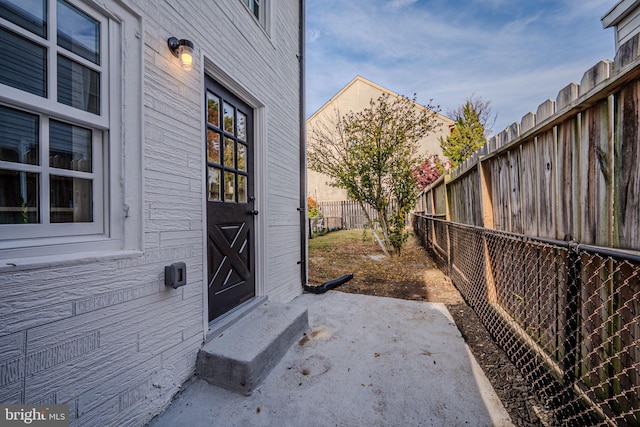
(538, 222)
(569, 172)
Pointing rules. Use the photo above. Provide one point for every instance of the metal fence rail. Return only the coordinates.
(350, 213)
(568, 315)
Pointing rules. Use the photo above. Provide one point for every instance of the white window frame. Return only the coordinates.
(115, 198)
(263, 12)
(44, 228)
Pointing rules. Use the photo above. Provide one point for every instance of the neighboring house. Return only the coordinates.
(624, 16)
(356, 96)
(118, 159)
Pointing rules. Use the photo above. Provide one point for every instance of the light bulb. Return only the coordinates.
(183, 50)
(186, 57)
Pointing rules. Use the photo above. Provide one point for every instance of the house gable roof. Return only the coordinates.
(360, 79)
(618, 12)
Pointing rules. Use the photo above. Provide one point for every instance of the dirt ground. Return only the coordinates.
(414, 276)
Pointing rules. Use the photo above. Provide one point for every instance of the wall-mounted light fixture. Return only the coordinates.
(183, 50)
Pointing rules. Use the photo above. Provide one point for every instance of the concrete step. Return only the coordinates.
(241, 356)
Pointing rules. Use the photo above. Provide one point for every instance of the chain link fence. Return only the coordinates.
(568, 315)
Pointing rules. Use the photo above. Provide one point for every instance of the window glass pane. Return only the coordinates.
(229, 187)
(242, 157)
(242, 126)
(28, 14)
(19, 139)
(78, 86)
(213, 146)
(18, 197)
(71, 199)
(25, 67)
(228, 153)
(213, 110)
(242, 189)
(256, 9)
(214, 184)
(69, 147)
(78, 32)
(228, 118)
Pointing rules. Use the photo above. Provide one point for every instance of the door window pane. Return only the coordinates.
(78, 86)
(228, 152)
(28, 14)
(25, 67)
(71, 199)
(228, 118)
(242, 126)
(242, 157)
(229, 187)
(242, 189)
(213, 146)
(19, 139)
(19, 196)
(213, 184)
(69, 147)
(78, 32)
(213, 110)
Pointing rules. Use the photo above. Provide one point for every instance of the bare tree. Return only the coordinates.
(486, 117)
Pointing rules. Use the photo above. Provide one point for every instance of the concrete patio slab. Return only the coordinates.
(366, 361)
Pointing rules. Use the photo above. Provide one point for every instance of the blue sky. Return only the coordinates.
(513, 53)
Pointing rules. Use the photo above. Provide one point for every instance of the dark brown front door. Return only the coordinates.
(230, 200)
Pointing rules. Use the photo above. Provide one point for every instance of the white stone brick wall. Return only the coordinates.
(101, 332)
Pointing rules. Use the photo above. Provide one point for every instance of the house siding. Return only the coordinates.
(628, 27)
(102, 333)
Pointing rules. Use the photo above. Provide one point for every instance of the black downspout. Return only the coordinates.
(303, 150)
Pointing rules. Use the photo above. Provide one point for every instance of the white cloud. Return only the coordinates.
(515, 55)
(312, 35)
(397, 4)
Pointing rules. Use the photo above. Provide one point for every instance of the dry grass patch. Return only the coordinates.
(412, 275)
